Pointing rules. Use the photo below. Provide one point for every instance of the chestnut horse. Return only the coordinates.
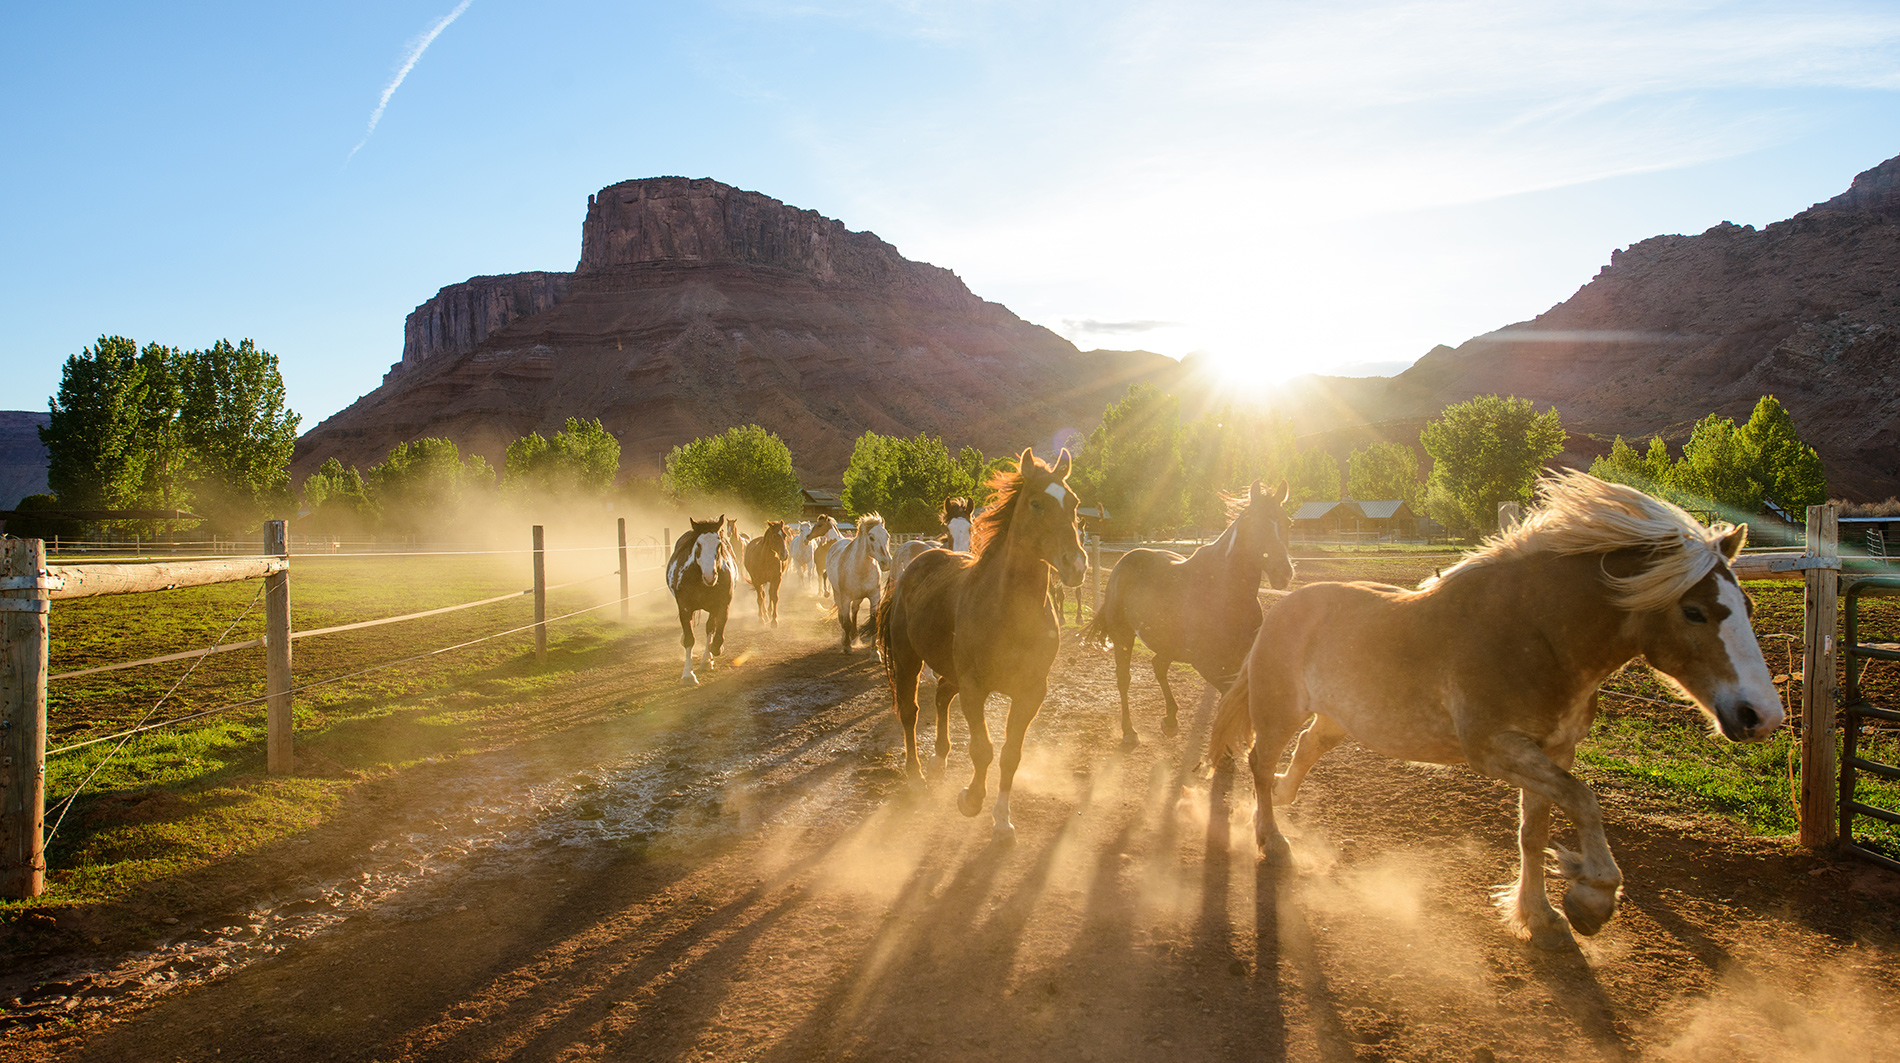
(700, 577)
(983, 622)
(766, 559)
(824, 534)
(1496, 664)
(1202, 609)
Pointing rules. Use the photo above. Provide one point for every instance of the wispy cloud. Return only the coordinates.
(416, 48)
(1075, 326)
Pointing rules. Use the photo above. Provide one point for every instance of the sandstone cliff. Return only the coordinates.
(697, 306)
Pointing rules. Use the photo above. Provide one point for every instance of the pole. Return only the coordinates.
(623, 570)
(1820, 609)
(23, 606)
(278, 756)
(540, 598)
(1095, 570)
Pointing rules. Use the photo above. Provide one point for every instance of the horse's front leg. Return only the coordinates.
(970, 799)
(686, 640)
(1525, 905)
(1022, 710)
(946, 690)
(1124, 654)
(716, 632)
(1595, 880)
(1316, 741)
(1171, 723)
(774, 586)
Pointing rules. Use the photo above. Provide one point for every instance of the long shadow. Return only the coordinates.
(1573, 985)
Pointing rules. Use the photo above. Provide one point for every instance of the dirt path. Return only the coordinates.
(735, 872)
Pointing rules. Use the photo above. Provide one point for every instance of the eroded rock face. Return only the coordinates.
(1875, 191)
(462, 315)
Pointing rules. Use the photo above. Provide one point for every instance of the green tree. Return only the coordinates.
(1312, 476)
(906, 479)
(1226, 450)
(239, 432)
(423, 486)
(1486, 450)
(1132, 462)
(580, 461)
(339, 501)
(1384, 471)
(94, 455)
(1717, 468)
(1788, 470)
(745, 467)
(1650, 471)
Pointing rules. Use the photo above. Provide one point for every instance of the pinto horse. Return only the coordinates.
(700, 577)
(856, 568)
(766, 559)
(955, 517)
(1496, 664)
(1202, 609)
(983, 622)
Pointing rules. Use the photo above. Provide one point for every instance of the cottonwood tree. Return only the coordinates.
(1312, 476)
(238, 431)
(95, 455)
(1384, 471)
(579, 461)
(746, 467)
(1486, 450)
(423, 486)
(1131, 462)
(905, 480)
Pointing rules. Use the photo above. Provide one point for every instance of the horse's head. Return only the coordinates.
(774, 537)
(1704, 642)
(1264, 528)
(956, 519)
(708, 545)
(871, 529)
(1043, 520)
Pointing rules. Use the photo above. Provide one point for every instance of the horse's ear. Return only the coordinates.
(1732, 543)
(1254, 492)
(1283, 492)
(1062, 464)
(1024, 460)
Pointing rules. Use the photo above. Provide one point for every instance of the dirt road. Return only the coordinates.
(736, 872)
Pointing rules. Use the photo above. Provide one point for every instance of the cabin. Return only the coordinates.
(1352, 519)
(822, 502)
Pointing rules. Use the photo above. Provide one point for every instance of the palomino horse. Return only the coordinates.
(700, 577)
(824, 534)
(856, 568)
(1496, 664)
(984, 623)
(766, 559)
(1202, 609)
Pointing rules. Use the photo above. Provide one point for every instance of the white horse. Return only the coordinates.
(801, 548)
(856, 570)
(823, 536)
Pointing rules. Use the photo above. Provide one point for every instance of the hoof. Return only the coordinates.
(1275, 851)
(1130, 739)
(689, 680)
(1170, 726)
(1003, 834)
(967, 803)
(1587, 911)
(1553, 937)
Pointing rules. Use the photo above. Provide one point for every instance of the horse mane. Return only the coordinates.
(867, 521)
(1584, 515)
(1008, 487)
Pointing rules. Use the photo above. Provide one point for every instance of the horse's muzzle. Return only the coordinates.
(1073, 569)
(1744, 722)
(1279, 573)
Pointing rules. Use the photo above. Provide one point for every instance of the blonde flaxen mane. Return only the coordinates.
(1581, 514)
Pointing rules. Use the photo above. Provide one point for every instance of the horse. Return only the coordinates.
(856, 570)
(824, 534)
(700, 575)
(800, 547)
(982, 620)
(1496, 662)
(736, 540)
(1202, 609)
(955, 517)
(766, 559)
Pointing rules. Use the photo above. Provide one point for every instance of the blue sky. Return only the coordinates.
(1286, 186)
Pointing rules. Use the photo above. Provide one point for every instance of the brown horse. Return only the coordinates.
(766, 559)
(1496, 664)
(984, 624)
(1202, 609)
(700, 576)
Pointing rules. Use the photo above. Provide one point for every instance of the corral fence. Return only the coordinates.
(29, 585)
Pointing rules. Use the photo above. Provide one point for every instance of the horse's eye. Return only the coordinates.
(1694, 614)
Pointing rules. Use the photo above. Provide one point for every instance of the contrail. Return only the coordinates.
(420, 45)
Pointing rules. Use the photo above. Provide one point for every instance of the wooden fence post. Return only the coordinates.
(23, 606)
(1510, 515)
(1095, 574)
(540, 597)
(278, 755)
(1820, 609)
(623, 570)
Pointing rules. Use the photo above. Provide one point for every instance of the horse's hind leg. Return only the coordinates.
(1123, 652)
(716, 632)
(848, 622)
(774, 586)
(904, 665)
(982, 751)
(1171, 723)
(1525, 905)
(1316, 741)
(946, 691)
(1274, 727)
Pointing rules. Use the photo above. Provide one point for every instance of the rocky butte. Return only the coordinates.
(697, 306)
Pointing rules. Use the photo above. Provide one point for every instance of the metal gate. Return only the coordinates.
(1858, 715)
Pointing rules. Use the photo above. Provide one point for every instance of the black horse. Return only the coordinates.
(700, 575)
(1203, 609)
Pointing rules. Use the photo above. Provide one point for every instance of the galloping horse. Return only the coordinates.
(856, 569)
(766, 559)
(984, 623)
(800, 547)
(700, 577)
(824, 534)
(1202, 609)
(736, 540)
(1496, 664)
(955, 516)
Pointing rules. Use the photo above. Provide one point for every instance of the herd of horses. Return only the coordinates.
(1494, 663)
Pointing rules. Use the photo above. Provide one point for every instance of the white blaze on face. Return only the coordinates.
(706, 554)
(1057, 492)
(1753, 685)
(960, 534)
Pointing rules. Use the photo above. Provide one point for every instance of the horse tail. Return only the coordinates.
(1100, 630)
(1233, 721)
(881, 629)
